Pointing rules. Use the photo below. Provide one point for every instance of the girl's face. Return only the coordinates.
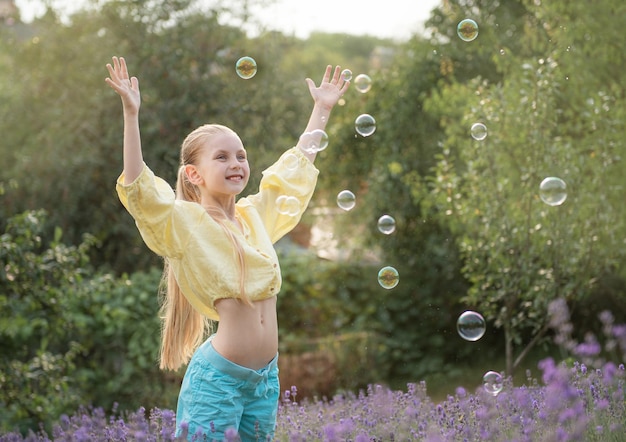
(223, 169)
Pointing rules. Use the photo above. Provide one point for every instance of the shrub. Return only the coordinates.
(332, 308)
(70, 335)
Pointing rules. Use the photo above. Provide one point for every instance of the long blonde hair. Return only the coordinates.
(183, 328)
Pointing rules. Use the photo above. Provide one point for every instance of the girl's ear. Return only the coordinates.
(192, 174)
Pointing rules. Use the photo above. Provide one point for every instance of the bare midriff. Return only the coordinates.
(247, 335)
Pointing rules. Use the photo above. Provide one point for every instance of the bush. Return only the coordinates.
(332, 308)
(70, 335)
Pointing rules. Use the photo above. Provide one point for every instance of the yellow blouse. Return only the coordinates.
(200, 254)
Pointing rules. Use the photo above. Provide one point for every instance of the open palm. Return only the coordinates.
(127, 87)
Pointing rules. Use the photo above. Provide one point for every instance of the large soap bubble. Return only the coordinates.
(471, 326)
(553, 191)
(478, 131)
(493, 382)
(386, 224)
(246, 67)
(290, 161)
(467, 29)
(365, 125)
(388, 277)
(314, 141)
(346, 200)
(363, 83)
(288, 205)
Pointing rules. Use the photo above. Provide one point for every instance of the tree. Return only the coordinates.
(555, 114)
(389, 172)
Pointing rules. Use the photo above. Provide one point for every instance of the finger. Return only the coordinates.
(112, 85)
(112, 74)
(310, 83)
(123, 67)
(337, 74)
(134, 83)
(344, 88)
(116, 64)
(327, 74)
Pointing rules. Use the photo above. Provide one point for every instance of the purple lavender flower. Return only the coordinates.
(231, 434)
(589, 348)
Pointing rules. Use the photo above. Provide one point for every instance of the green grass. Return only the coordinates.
(469, 374)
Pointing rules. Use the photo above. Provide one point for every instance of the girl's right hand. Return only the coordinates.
(127, 87)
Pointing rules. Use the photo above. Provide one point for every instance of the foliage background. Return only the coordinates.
(78, 297)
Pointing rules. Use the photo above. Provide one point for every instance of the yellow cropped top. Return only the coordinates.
(200, 254)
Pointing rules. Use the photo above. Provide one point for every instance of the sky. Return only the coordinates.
(396, 19)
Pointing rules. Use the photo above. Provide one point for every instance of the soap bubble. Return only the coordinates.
(246, 67)
(388, 277)
(365, 125)
(478, 131)
(314, 141)
(493, 382)
(386, 224)
(346, 74)
(363, 83)
(471, 326)
(553, 191)
(346, 200)
(288, 205)
(290, 161)
(467, 29)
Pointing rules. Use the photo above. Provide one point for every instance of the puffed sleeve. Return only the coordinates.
(163, 222)
(293, 175)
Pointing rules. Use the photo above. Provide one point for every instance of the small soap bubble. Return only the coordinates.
(471, 326)
(467, 29)
(246, 67)
(290, 161)
(478, 131)
(314, 141)
(346, 74)
(363, 83)
(388, 277)
(553, 191)
(365, 125)
(346, 200)
(281, 203)
(493, 382)
(386, 224)
(288, 205)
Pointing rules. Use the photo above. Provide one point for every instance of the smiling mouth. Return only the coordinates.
(235, 178)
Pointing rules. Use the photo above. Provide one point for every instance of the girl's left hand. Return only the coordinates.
(330, 89)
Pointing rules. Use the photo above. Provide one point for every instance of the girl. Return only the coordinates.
(220, 261)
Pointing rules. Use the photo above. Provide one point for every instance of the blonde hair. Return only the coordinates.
(183, 328)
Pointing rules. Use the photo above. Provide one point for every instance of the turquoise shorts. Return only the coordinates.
(218, 395)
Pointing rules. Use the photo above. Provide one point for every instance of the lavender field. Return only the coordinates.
(575, 403)
(579, 399)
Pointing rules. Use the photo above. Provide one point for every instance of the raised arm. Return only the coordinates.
(324, 99)
(128, 89)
